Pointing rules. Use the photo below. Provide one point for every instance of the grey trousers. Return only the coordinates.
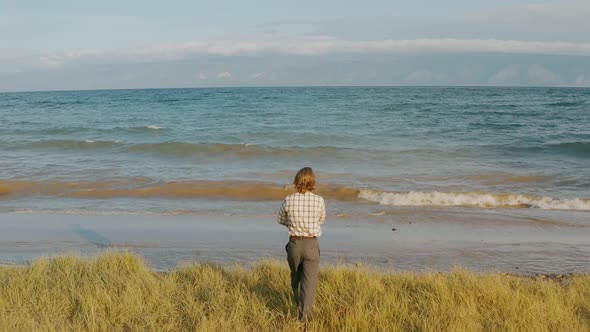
(304, 261)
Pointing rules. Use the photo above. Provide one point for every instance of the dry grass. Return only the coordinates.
(118, 292)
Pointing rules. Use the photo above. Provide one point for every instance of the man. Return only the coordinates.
(303, 213)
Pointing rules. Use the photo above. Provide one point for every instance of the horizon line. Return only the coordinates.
(301, 86)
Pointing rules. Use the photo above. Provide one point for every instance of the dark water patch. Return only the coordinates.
(487, 110)
(59, 103)
(566, 104)
(168, 100)
(572, 149)
(239, 150)
(497, 126)
(577, 149)
(49, 131)
(56, 131)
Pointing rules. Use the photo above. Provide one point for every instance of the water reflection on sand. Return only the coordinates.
(519, 241)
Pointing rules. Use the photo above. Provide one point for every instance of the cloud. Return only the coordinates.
(224, 74)
(307, 46)
(539, 44)
(556, 28)
(508, 75)
(51, 60)
(421, 76)
(433, 69)
(583, 80)
(543, 76)
(557, 21)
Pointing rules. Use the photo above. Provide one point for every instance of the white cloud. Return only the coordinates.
(508, 75)
(51, 61)
(543, 76)
(310, 46)
(224, 74)
(257, 75)
(425, 77)
(420, 76)
(201, 76)
(583, 80)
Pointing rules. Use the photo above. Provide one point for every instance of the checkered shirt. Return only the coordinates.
(303, 214)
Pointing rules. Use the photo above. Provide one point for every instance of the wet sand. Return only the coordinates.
(423, 240)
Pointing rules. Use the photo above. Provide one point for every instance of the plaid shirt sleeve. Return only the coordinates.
(283, 216)
(322, 212)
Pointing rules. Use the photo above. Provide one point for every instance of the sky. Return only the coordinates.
(70, 45)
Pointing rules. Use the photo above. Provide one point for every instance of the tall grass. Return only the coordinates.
(118, 292)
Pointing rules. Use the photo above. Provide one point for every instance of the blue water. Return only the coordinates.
(397, 145)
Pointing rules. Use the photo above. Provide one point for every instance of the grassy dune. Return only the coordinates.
(118, 292)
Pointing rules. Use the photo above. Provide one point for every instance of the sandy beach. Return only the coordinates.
(513, 241)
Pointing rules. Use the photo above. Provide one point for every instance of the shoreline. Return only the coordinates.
(555, 277)
(423, 241)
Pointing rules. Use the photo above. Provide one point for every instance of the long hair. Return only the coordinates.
(304, 180)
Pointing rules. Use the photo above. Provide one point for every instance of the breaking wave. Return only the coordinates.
(146, 188)
(473, 199)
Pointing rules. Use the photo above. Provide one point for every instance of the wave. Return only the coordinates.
(566, 103)
(579, 149)
(259, 191)
(576, 149)
(183, 149)
(149, 129)
(72, 145)
(143, 188)
(473, 199)
(243, 150)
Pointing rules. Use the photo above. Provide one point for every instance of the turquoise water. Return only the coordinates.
(234, 149)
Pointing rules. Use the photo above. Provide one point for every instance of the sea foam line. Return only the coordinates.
(473, 199)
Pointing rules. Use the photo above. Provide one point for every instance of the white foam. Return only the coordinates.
(154, 127)
(91, 141)
(473, 199)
